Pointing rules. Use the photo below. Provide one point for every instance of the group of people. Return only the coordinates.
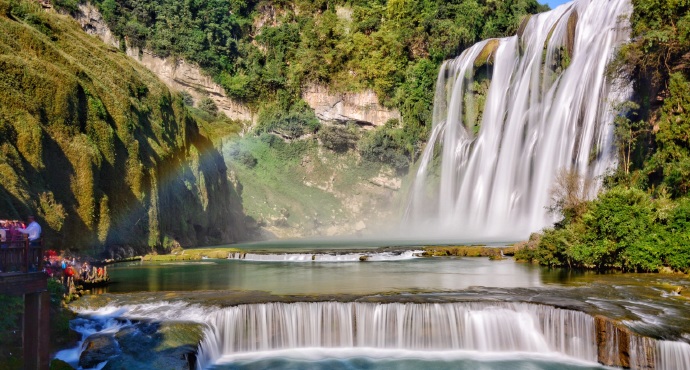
(72, 270)
(15, 231)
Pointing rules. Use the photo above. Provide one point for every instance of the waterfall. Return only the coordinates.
(481, 327)
(672, 355)
(485, 327)
(325, 257)
(509, 114)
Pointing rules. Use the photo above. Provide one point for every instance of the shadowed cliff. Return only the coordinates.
(98, 148)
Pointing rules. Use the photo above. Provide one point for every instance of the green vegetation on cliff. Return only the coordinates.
(642, 221)
(264, 52)
(98, 148)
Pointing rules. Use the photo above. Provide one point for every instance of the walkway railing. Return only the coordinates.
(18, 256)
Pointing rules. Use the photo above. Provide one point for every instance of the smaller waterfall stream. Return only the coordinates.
(325, 257)
(672, 355)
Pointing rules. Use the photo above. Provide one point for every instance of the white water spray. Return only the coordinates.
(483, 327)
(325, 257)
(508, 328)
(548, 108)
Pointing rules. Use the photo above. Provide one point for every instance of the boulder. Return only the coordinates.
(98, 348)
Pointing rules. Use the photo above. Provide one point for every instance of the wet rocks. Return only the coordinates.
(145, 345)
(618, 346)
(98, 348)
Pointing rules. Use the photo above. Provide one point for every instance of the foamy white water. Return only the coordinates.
(539, 118)
(491, 330)
(325, 257)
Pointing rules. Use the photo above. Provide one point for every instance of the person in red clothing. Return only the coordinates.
(70, 271)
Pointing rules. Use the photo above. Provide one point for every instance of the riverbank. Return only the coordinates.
(190, 254)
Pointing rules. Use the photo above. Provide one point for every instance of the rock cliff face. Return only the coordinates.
(176, 73)
(362, 108)
(98, 148)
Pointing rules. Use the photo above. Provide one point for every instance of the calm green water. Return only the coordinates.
(422, 274)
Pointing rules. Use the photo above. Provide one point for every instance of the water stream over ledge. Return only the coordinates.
(440, 312)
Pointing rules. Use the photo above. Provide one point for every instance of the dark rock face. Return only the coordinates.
(615, 346)
(98, 348)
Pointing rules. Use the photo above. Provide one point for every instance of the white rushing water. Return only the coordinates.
(400, 330)
(325, 257)
(495, 327)
(538, 119)
(672, 355)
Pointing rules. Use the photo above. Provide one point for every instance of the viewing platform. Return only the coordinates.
(21, 273)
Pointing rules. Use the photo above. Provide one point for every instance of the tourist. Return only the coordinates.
(33, 231)
(85, 271)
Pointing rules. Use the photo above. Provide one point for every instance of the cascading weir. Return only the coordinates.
(485, 327)
(480, 327)
(509, 114)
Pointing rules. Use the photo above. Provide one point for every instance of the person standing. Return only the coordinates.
(33, 230)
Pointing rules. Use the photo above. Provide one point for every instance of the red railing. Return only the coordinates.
(19, 256)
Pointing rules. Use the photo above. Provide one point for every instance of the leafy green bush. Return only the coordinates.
(209, 106)
(291, 123)
(187, 98)
(390, 144)
(338, 138)
(242, 156)
(623, 229)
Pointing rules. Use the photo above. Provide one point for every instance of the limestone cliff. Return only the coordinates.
(98, 148)
(362, 108)
(176, 73)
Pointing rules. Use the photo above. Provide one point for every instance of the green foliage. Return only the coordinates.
(388, 144)
(260, 50)
(291, 123)
(623, 229)
(11, 308)
(338, 138)
(71, 6)
(242, 155)
(209, 106)
(100, 150)
(651, 133)
(187, 98)
(671, 159)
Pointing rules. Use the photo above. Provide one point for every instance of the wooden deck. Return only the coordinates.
(21, 273)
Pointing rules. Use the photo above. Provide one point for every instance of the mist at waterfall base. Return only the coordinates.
(549, 108)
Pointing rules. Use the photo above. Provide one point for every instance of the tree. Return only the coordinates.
(570, 194)
(627, 132)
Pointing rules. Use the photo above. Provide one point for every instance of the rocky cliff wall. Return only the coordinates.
(361, 107)
(99, 150)
(176, 73)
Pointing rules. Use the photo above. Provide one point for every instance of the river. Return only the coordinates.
(394, 311)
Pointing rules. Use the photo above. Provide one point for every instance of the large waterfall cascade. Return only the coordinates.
(548, 108)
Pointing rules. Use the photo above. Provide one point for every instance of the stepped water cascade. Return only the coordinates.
(325, 257)
(548, 108)
(509, 328)
(495, 327)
